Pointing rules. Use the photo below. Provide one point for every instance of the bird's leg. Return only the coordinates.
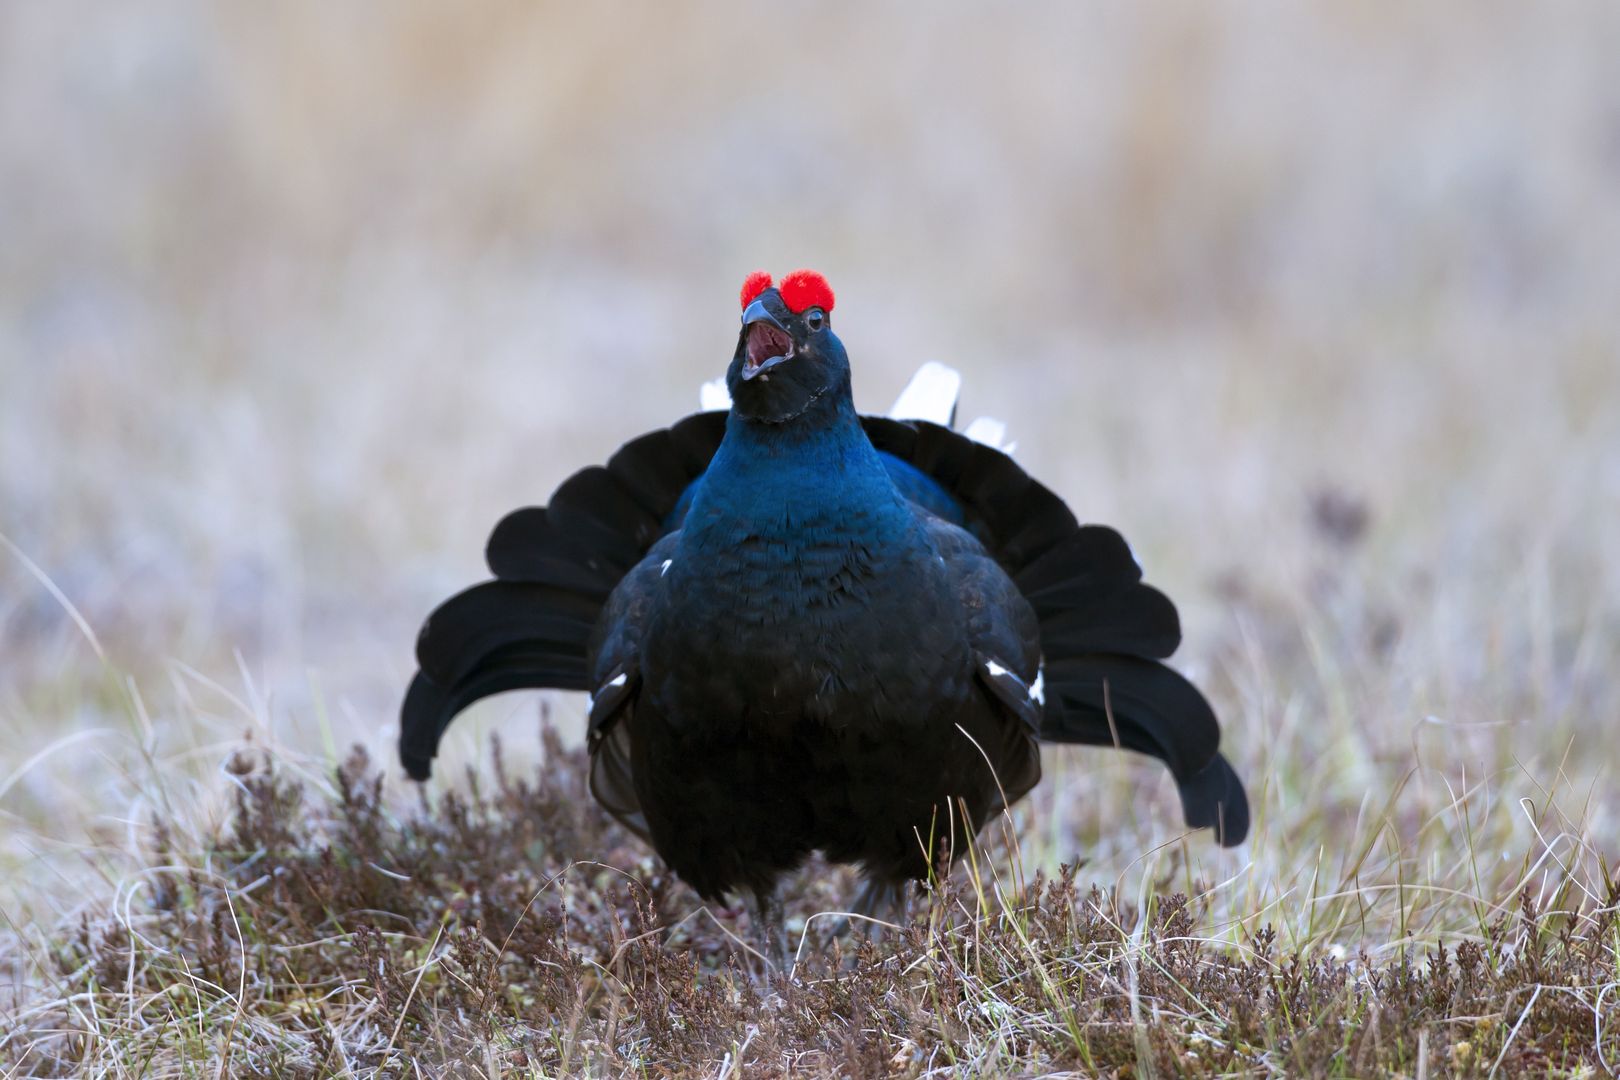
(769, 929)
(879, 903)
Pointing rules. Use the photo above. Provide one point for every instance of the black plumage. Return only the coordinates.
(804, 629)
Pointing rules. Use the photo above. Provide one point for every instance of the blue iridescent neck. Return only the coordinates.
(814, 471)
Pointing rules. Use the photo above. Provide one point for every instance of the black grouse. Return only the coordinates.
(806, 629)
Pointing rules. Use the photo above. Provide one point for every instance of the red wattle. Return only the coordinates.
(753, 285)
(804, 289)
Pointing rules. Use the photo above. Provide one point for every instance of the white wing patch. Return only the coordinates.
(1037, 689)
(617, 680)
(713, 395)
(930, 395)
(662, 570)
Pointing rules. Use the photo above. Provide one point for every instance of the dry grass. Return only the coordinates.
(1317, 307)
(515, 929)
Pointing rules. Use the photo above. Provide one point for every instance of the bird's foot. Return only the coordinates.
(881, 907)
(770, 933)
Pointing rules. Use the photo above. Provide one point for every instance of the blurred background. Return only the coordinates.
(1319, 307)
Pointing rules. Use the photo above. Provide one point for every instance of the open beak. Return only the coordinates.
(767, 341)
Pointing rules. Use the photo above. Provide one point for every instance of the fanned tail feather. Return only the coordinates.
(554, 568)
(1102, 629)
(1214, 799)
(1136, 704)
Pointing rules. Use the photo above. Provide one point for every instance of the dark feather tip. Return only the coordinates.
(1215, 799)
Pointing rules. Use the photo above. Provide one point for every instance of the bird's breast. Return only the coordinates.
(775, 628)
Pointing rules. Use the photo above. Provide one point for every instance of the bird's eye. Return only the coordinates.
(815, 318)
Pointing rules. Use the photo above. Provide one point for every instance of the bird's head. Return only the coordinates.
(788, 359)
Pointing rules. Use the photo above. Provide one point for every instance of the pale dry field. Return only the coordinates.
(1318, 308)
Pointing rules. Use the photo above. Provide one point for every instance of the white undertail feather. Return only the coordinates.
(930, 395)
(991, 432)
(986, 430)
(713, 395)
